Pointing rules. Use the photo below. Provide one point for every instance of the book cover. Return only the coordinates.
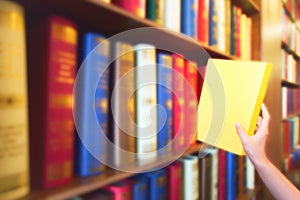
(175, 176)
(189, 14)
(14, 158)
(172, 17)
(51, 79)
(93, 60)
(121, 190)
(157, 184)
(178, 102)
(231, 181)
(227, 99)
(191, 98)
(164, 102)
(190, 168)
(140, 185)
(146, 99)
(137, 7)
(202, 21)
(123, 103)
(212, 24)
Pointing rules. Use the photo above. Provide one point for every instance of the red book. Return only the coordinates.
(178, 103)
(238, 16)
(175, 181)
(221, 174)
(191, 101)
(137, 7)
(286, 137)
(52, 62)
(202, 21)
(121, 190)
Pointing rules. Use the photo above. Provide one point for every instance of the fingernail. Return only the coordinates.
(237, 125)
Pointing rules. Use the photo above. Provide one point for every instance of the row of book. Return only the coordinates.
(290, 33)
(290, 131)
(290, 101)
(211, 177)
(219, 24)
(289, 67)
(292, 161)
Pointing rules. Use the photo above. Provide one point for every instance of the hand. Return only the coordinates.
(255, 145)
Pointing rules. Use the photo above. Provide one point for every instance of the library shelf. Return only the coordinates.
(285, 83)
(297, 114)
(249, 7)
(251, 194)
(83, 185)
(286, 47)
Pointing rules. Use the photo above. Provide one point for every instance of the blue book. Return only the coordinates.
(212, 23)
(157, 184)
(140, 187)
(189, 13)
(231, 181)
(91, 95)
(164, 100)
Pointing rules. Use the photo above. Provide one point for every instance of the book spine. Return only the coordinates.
(93, 62)
(157, 184)
(137, 7)
(250, 179)
(232, 30)
(121, 190)
(221, 174)
(139, 187)
(146, 115)
(150, 10)
(191, 99)
(189, 13)
(214, 174)
(190, 165)
(175, 176)
(231, 181)
(172, 10)
(164, 100)
(202, 22)
(51, 101)
(123, 86)
(213, 20)
(221, 25)
(14, 159)
(227, 25)
(238, 19)
(178, 102)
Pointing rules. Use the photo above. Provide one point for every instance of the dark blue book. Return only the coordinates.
(189, 17)
(140, 186)
(164, 100)
(231, 181)
(157, 184)
(91, 106)
(212, 23)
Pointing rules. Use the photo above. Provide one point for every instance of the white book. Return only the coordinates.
(221, 25)
(190, 165)
(172, 17)
(284, 101)
(214, 174)
(250, 170)
(146, 112)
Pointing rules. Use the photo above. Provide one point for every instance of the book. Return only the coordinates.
(232, 44)
(172, 17)
(157, 184)
(51, 78)
(14, 158)
(214, 173)
(250, 174)
(122, 100)
(137, 7)
(212, 24)
(121, 190)
(175, 176)
(190, 168)
(178, 103)
(89, 146)
(140, 185)
(146, 99)
(205, 177)
(221, 25)
(202, 21)
(221, 174)
(222, 92)
(189, 14)
(95, 195)
(164, 102)
(155, 11)
(231, 178)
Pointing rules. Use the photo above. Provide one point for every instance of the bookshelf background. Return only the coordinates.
(122, 20)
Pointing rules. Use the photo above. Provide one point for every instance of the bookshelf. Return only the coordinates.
(89, 15)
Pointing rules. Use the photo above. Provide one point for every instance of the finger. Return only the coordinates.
(259, 120)
(242, 134)
(266, 117)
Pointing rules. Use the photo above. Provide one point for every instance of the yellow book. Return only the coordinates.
(233, 91)
(14, 180)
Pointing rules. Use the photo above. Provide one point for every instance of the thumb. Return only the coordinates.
(240, 131)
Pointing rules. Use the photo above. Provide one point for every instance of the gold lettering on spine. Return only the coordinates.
(59, 170)
(61, 101)
(65, 33)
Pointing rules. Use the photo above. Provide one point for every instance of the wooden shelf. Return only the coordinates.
(89, 15)
(82, 185)
(291, 115)
(249, 7)
(289, 84)
(286, 47)
(250, 194)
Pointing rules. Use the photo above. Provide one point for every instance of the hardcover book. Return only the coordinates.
(121, 190)
(175, 182)
(233, 92)
(94, 59)
(51, 79)
(14, 158)
(140, 187)
(189, 14)
(157, 184)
